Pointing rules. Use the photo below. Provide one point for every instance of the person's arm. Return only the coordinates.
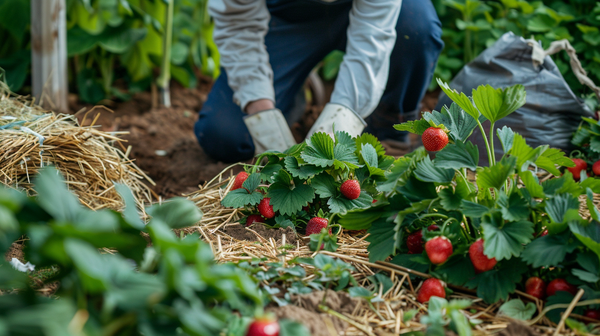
(364, 71)
(240, 29)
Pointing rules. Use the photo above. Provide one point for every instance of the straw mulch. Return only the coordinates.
(30, 139)
(387, 319)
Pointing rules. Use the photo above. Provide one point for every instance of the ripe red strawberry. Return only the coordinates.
(480, 261)
(263, 327)
(266, 209)
(350, 189)
(438, 249)
(560, 285)
(579, 166)
(239, 180)
(433, 227)
(431, 287)
(315, 225)
(593, 314)
(434, 139)
(535, 287)
(596, 168)
(254, 219)
(414, 242)
(544, 233)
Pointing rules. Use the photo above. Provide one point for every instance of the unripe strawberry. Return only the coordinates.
(350, 189)
(315, 225)
(480, 261)
(254, 219)
(263, 327)
(239, 180)
(438, 249)
(431, 287)
(560, 285)
(535, 287)
(434, 139)
(266, 209)
(580, 165)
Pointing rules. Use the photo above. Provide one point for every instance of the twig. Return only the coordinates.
(564, 317)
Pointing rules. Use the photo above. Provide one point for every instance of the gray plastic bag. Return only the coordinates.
(552, 112)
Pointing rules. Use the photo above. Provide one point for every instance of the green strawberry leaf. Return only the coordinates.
(524, 153)
(516, 309)
(506, 136)
(367, 138)
(359, 219)
(497, 284)
(551, 157)
(324, 185)
(415, 262)
(458, 155)
(459, 123)
(345, 139)
(460, 99)
(369, 156)
(413, 126)
(495, 176)
(591, 267)
(547, 251)
(592, 183)
(496, 104)
(561, 209)
(416, 190)
(457, 270)
(381, 240)
(473, 210)
(589, 235)
(449, 199)
(504, 240)
(426, 171)
(319, 152)
(591, 206)
(329, 242)
(393, 176)
(266, 174)
(245, 196)
(340, 205)
(513, 208)
(304, 171)
(532, 183)
(289, 195)
(344, 157)
(295, 150)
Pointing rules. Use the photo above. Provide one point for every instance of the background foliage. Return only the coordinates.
(117, 43)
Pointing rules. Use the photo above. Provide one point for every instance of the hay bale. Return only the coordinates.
(31, 138)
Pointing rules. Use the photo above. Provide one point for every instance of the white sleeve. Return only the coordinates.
(364, 71)
(240, 29)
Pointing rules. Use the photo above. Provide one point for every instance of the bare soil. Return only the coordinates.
(239, 232)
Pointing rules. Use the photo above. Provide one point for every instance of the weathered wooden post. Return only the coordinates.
(49, 53)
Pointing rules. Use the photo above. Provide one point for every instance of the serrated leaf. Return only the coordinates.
(416, 190)
(392, 176)
(496, 104)
(552, 157)
(426, 171)
(344, 157)
(589, 235)
(301, 171)
(381, 240)
(176, 212)
(524, 153)
(458, 155)
(456, 120)
(504, 240)
(457, 270)
(367, 138)
(369, 156)
(240, 197)
(450, 200)
(320, 150)
(473, 210)
(359, 220)
(591, 267)
(591, 206)
(495, 176)
(531, 182)
(506, 136)
(324, 185)
(558, 208)
(266, 174)
(498, 283)
(516, 309)
(547, 251)
(513, 207)
(341, 205)
(288, 199)
(413, 126)
(460, 99)
(344, 139)
(252, 182)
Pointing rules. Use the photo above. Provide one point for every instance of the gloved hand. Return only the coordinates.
(340, 117)
(269, 131)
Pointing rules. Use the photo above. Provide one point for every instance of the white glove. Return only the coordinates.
(269, 131)
(340, 117)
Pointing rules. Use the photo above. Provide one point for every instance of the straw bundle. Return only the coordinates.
(30, 139)
(387, 318)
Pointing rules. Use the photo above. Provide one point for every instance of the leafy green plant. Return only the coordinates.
(587, 139)
(173, 286)
(443, 314)
(505, 204)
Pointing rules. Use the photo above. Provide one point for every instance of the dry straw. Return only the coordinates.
(388, 316)
(31, 138)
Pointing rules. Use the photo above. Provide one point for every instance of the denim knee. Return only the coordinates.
(224, 139)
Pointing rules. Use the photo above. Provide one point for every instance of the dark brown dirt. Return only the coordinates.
(306, 311)
(239, 232)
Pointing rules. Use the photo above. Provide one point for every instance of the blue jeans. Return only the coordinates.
(301, 33)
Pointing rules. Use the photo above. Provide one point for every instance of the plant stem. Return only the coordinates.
(492, 151)
(165, 67)
(487, 144)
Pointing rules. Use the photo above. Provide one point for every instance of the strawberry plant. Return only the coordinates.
(491, 220)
